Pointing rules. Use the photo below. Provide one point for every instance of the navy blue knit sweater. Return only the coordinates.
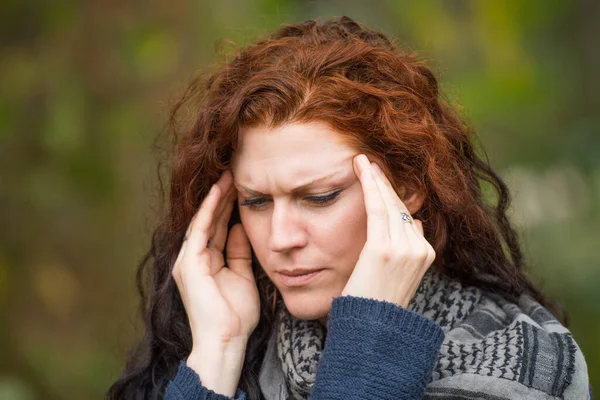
(374, 349)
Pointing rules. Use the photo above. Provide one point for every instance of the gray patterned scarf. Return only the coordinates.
(493, 348)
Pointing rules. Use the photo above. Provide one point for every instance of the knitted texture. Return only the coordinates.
(493, 348)
(367, 342)
(364, 364)
(187, 386)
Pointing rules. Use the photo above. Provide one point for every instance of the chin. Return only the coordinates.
(308, 306)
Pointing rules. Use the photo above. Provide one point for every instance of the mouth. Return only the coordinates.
(298, 277)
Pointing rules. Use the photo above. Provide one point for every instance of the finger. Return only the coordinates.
(401, 230)
(399, 206)
(377, 218)
(239, 252)
(209, 201)
(202, 224)
(225, 182)
(398, 231)
(220, 232)
(200, 227)
(430, 251)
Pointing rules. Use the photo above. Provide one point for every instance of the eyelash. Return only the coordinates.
(256, 203)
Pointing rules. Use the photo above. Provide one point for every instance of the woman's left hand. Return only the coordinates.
(396, 254)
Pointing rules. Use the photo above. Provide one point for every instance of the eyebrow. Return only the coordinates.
(294, 191)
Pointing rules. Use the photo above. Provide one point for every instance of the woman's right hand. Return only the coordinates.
(221, 301)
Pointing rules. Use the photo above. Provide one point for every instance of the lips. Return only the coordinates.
(298, 271)
(302, 277)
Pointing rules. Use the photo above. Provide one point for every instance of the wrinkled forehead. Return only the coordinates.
(294, 153)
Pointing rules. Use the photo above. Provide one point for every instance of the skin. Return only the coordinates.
(291, 230)
(367, 250)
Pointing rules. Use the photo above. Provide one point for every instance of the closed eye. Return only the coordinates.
(258, 203)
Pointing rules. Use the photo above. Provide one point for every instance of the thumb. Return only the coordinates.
(239, 254)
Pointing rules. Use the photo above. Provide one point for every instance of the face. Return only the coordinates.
(301, 205)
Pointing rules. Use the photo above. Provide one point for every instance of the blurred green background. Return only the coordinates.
(85, 89)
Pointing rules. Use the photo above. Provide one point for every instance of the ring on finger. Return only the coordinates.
(388, 187)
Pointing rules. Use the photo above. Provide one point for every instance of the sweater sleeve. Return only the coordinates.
(376, 350)
(373, 349)
(187, 386)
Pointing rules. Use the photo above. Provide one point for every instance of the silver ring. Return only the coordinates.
(406, 218)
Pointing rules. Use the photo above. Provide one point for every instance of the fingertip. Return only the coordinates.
(228, 175)
(355, 165)
(214, 190)
(419, 226)
(224, 182)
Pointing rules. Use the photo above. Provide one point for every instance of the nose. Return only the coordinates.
(287, 230)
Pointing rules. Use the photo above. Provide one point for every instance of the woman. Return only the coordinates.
(360, 259)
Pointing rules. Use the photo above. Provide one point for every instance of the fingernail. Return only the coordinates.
(363, 160)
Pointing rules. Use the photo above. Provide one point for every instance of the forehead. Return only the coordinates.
(298, 146)
(290, 156)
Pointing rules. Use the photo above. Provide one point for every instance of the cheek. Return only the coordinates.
(344, 234)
